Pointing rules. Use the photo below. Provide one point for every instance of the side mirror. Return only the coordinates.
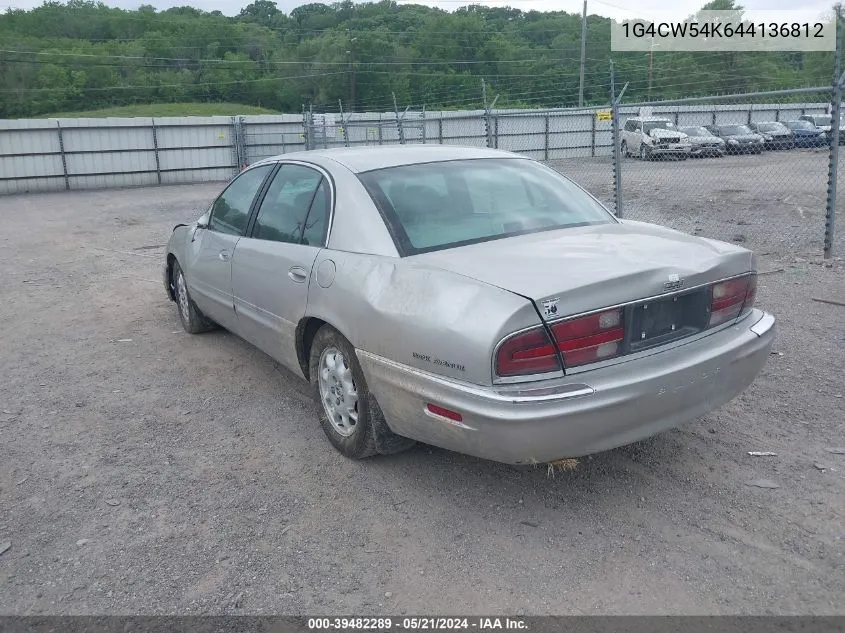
(202, 223)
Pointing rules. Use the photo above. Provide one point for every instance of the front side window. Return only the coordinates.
(284, 210)
(230, 212)
(447, 204)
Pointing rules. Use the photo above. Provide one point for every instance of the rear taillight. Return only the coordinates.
(730, 299)
(526, 353)
(590, 338)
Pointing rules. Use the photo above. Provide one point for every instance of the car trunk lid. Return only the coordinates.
(572, 271)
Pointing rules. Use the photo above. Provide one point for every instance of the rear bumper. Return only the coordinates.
(589, 412)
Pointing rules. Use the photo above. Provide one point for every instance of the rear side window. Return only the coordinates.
(283, 212)
(230, 211)
(316, 223)
(447, 204)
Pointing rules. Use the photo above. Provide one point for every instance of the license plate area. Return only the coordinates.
(660, 321)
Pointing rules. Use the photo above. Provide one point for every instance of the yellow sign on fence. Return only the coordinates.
(603, 115)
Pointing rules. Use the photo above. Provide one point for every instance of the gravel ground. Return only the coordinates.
(147, 471)
(773, 202)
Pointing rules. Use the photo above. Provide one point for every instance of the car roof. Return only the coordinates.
(361, 159)
(649, 118)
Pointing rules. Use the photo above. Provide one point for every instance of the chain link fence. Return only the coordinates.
(751, 169)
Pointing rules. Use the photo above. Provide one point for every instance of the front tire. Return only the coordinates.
(349, 415)
(192, 318)
(644, 153)
(624, 149)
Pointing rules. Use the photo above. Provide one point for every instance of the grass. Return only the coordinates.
(166, 109)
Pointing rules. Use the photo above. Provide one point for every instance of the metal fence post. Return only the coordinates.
(62, 150)
(488, 122)
(833, 165)
(592, 135)
(440, 129)
(617, 158)
(242, 142)
(155, 149)
(399, 127)
(424, 126)
(546, 140)
(235, 151)
(305, 128)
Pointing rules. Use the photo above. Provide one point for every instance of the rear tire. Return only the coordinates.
(192, 318)
(349, 414)
(624, 149)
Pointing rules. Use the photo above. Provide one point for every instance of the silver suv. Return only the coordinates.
(653, 137)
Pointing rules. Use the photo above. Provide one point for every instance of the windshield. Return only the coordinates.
(648, 126)
(447, 204)
(732, 130)
(695, 131)
(770, 127)
(800, 125)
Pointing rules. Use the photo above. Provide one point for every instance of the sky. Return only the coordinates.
(618, 9)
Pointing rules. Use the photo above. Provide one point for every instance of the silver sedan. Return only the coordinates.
(471, 299)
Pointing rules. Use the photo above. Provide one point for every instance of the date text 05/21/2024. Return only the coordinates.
(417, 624)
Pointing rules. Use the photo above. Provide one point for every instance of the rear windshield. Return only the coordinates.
(447, 204)
(770, 127)
(736, 129)
(800, 125)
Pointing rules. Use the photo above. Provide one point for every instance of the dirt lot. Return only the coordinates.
(773, 203)
(144, 470)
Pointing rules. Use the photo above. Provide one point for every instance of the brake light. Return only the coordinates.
(730, 299)
(590, 338)
(526, 353)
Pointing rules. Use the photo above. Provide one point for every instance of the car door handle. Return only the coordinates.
(224, 256)
(298, 274)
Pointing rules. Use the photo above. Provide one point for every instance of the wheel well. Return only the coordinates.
(305, 332)
(171, 259)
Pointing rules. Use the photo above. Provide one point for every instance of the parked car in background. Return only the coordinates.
(775, 134)
(824, 123)
(468, 298)
(805, 134)
(703, 142)
(653, 138)
(739, 139)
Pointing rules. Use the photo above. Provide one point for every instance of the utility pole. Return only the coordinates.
(583, 54)
(351, 54)
(650, 67)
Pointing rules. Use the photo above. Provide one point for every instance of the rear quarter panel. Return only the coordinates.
(427, 318)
